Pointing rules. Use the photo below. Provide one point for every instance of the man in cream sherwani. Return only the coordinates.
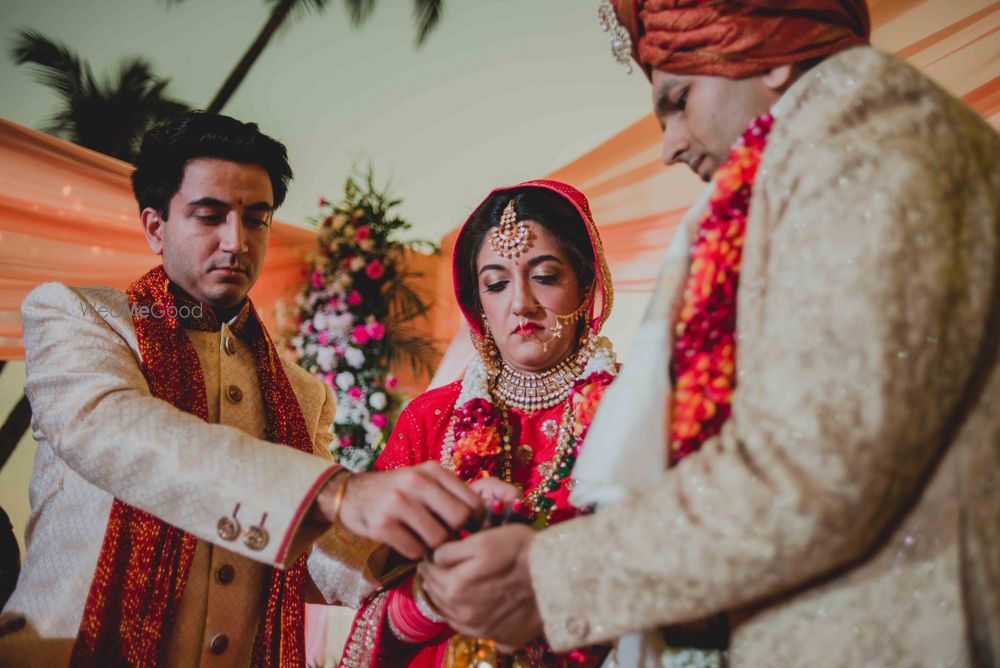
(847, 513)
(232, 511)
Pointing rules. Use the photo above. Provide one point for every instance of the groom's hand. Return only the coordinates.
(412, 510)
(483, 585)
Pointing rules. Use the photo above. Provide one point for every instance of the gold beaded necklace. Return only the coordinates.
(557, 469)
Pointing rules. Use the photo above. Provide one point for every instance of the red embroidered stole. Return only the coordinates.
(144, 562)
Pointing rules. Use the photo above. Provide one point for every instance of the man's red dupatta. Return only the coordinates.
(144, 562)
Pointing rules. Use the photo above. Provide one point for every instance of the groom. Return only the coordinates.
(832, 385)
(184, 504)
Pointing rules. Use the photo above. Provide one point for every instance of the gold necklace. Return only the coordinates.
(533, 392)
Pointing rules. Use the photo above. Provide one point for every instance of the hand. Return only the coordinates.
(412, 510)
(492, 489)
(483, 586)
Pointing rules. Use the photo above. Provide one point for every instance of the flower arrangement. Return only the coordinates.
(354, 314)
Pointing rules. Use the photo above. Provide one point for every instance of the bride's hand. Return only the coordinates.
(492, 489)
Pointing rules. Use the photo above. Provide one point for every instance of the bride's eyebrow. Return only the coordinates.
(492, 267)
(535, 261)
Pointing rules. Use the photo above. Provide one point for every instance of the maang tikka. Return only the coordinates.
(511, 238)
(621, 41)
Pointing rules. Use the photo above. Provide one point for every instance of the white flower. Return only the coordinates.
(373, 438)
(355, 357)
(475, 384)
(325, 358)
(356, 459)
(357, 263)
(377, 400)
(339, 324)
(319, 321)
(344, 380)
(603, 359)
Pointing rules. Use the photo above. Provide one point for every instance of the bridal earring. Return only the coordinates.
(487, 349)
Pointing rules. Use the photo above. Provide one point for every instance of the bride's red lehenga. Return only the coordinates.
(494, 422)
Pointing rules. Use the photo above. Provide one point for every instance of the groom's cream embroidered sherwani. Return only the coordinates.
(101, 434)
(849, 512)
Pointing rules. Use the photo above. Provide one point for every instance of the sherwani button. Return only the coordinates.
(228, 528)
(235, 394)
(228, 345)
(218, 644)
(225, 574)
(577, 627)
(256, 538)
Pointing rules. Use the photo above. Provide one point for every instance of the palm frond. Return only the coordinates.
(428, 15)
(133, 82)
(405, 346)
(57, 66)
(109, 115)
(405, 302)
(303, 8)
(359, 11)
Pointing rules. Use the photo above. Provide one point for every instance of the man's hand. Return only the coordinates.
(483, 585)
(412, 510)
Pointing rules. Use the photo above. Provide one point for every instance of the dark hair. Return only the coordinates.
(167, 148)
(550, 210)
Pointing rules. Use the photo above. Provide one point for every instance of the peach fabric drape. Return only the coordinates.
(67, 214)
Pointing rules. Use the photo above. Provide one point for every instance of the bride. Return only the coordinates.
(531, 279)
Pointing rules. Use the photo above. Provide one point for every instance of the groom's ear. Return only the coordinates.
(152, 226)
(779, 78)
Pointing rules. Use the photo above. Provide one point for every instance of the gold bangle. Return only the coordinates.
(338, 494)
(424, 605)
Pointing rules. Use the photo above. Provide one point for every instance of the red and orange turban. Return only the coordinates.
(739, 38)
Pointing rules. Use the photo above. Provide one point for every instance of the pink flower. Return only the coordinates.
(323, 338)
(359, 335)
(346, 262)
(391, 382)
(317, 280)
(376, 330)
(356, 393)
(380, 420)
(328, 378)
(363, 233)
(334, 301)
(375, 270)
(327, 221)
(354, 298)
(346, 441)
(322, 201)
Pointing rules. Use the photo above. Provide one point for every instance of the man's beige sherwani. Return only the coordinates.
(849, 512)
(101, 434)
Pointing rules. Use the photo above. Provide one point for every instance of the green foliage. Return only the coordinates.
(109, 116)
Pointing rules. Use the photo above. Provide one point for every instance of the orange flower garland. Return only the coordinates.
(704, 356)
